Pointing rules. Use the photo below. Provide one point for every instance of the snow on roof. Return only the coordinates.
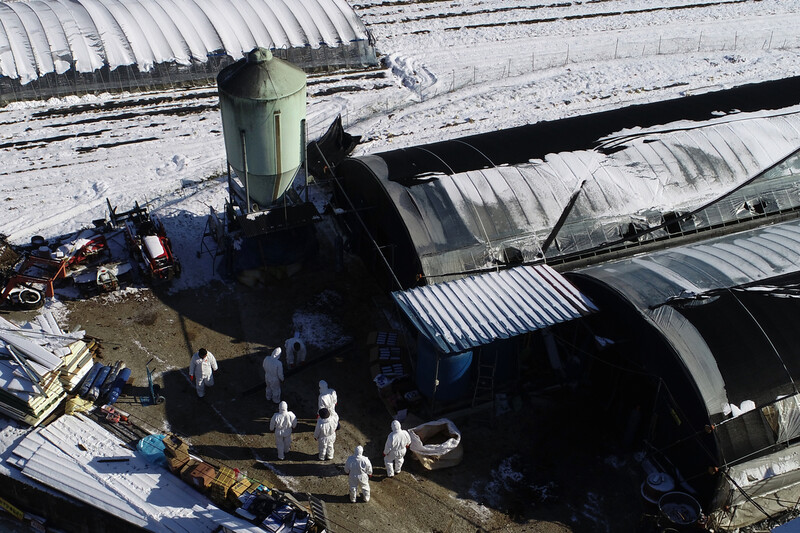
(131, 488)
(464, 221)
(469, 312)
(46, 36)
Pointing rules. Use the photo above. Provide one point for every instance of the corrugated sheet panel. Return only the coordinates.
(469, 312)
(45, 36)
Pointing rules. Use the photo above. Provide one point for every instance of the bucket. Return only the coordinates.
(679, 508)
(656, 485)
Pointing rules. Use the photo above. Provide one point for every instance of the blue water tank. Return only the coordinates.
(455, 377)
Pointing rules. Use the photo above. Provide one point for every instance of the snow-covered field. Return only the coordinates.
(450, 68)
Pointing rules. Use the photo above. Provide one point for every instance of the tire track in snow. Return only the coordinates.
(36, 223)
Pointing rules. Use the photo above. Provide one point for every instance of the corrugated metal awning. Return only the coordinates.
(469, 312)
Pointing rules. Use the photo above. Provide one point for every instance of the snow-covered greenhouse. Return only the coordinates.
(569, 192)
(54, 47)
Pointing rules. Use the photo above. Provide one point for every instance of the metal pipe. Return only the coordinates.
(230, 190)
(246, 176)
(23, 363)
(304, 140)
(278, 163)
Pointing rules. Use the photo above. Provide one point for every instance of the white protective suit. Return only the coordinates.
(295, 355)
(282, 423)
(273, 375)
(325, 434)
(360, 469)
(327, 398)
(394, 451)
(201, 371)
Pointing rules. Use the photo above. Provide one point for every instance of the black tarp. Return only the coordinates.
(327, 152)
(715, 328)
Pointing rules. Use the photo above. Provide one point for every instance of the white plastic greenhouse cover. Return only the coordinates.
(38, 37)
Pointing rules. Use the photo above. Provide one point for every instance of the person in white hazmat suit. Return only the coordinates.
(282, 423)
(273, 375)
(295, 351)
(359, 469)
(201, 370)
(327, 397)
(325, 434)
(394, 451)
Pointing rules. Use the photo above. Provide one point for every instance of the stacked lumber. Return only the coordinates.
(37, 359)
(78, 363)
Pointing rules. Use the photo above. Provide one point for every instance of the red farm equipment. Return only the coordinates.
(147, 242)
(34, 275)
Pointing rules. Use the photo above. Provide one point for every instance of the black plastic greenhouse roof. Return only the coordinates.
(727, 305)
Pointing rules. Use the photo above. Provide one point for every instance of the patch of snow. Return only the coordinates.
(593, 510)
(615, 461)
(484, 513)
(316, 322)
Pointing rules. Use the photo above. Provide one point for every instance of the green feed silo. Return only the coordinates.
(263, 106)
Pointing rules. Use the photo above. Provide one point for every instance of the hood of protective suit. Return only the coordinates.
(323, 386)
(396, 425)
(283, 407)
(359, 451)
(276, 353)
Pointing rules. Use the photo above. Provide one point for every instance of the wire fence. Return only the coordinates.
(595, 50)
(609, 50)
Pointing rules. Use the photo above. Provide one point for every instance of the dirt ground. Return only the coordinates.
(543, 467)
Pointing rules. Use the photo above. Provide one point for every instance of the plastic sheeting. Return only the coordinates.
(687, 273)
(696, 356)
(784, 417)
(728, 307)
(768, 484)
(39, 37)
(437, 444)
(684, 291)
(462, 222)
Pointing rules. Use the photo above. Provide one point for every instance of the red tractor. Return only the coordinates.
(147, 242)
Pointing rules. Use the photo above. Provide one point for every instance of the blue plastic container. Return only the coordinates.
(455, 376)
